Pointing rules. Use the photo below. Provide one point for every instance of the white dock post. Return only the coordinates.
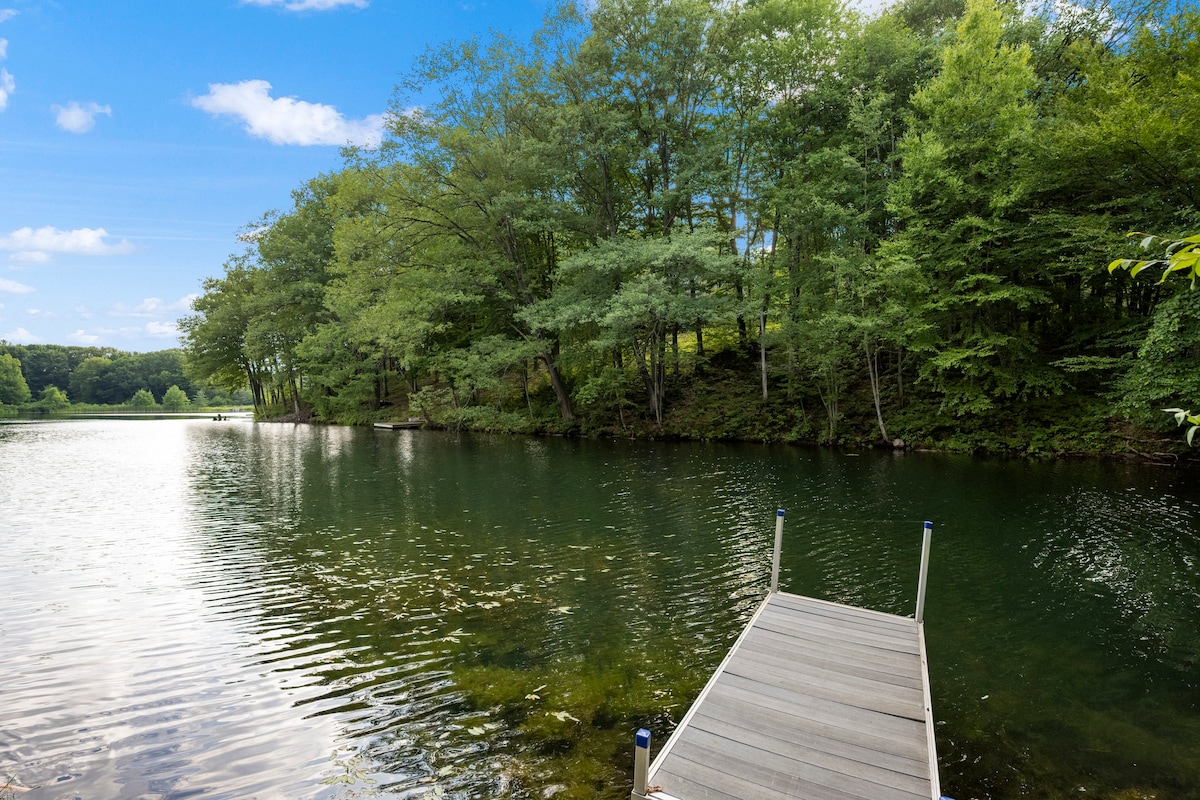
(641, 762)
(778, 547)
(928, 536)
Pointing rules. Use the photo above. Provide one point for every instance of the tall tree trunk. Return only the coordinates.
(762, 347)
(295, 395)
(550, 359)
(743, 330)
(652, 364)
(873, 372)
(675, 350)
(525, 386)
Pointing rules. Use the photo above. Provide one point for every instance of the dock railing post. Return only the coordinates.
(778, 548)
(641, 762)
(925, 541)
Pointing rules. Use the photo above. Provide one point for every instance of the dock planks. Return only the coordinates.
(816, 700)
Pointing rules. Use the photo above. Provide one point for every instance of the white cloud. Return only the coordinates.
(8, 85)
(14, 287)
(161, 330)
(21, 336)
(79, 118)
(149, 307)
(35, 246)
(83, 338)
(153, 307)
(307, 5)
(286, 120)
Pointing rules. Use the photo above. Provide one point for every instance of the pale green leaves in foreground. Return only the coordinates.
(1186, 417)
(1180, 256)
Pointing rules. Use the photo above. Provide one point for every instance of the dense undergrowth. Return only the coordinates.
(721, 400)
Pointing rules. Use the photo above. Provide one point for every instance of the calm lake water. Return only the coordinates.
(229, 610)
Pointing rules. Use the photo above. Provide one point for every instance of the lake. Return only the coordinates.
(199, 609)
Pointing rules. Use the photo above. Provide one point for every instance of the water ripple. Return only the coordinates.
(199, 610)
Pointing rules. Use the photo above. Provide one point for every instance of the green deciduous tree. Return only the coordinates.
(89, 382)
(13, 388)
(630, 294)
(142, 398)
(52, 398)
(215, 335)
(175, 399)
(960, 203)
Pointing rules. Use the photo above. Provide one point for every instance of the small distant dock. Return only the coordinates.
(397, 426)
(816, 700)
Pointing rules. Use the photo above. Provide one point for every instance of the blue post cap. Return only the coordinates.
(928, 524)
(643, 737)
(779, 513)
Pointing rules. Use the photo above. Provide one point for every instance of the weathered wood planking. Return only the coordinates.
(817, 701)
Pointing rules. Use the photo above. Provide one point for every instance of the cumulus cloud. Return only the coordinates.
(83, 338)
(161, 330)
(14, 287)
(79, 117)
(7, 13)
(307, 5)
(21, 336)
(36, 245)
(286, 120)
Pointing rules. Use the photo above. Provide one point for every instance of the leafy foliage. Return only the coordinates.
(13, 388)
(887, 227)
(1180, 256)
(175, 399)
(142, 399)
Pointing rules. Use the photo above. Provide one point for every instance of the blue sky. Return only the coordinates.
(138, 138)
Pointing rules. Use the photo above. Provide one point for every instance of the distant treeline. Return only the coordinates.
(97, 375)
(766, 219)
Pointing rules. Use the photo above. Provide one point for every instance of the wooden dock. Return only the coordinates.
(816, 700)
(396, 426)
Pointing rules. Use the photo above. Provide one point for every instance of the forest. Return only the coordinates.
(51, 377)
(776, 220)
